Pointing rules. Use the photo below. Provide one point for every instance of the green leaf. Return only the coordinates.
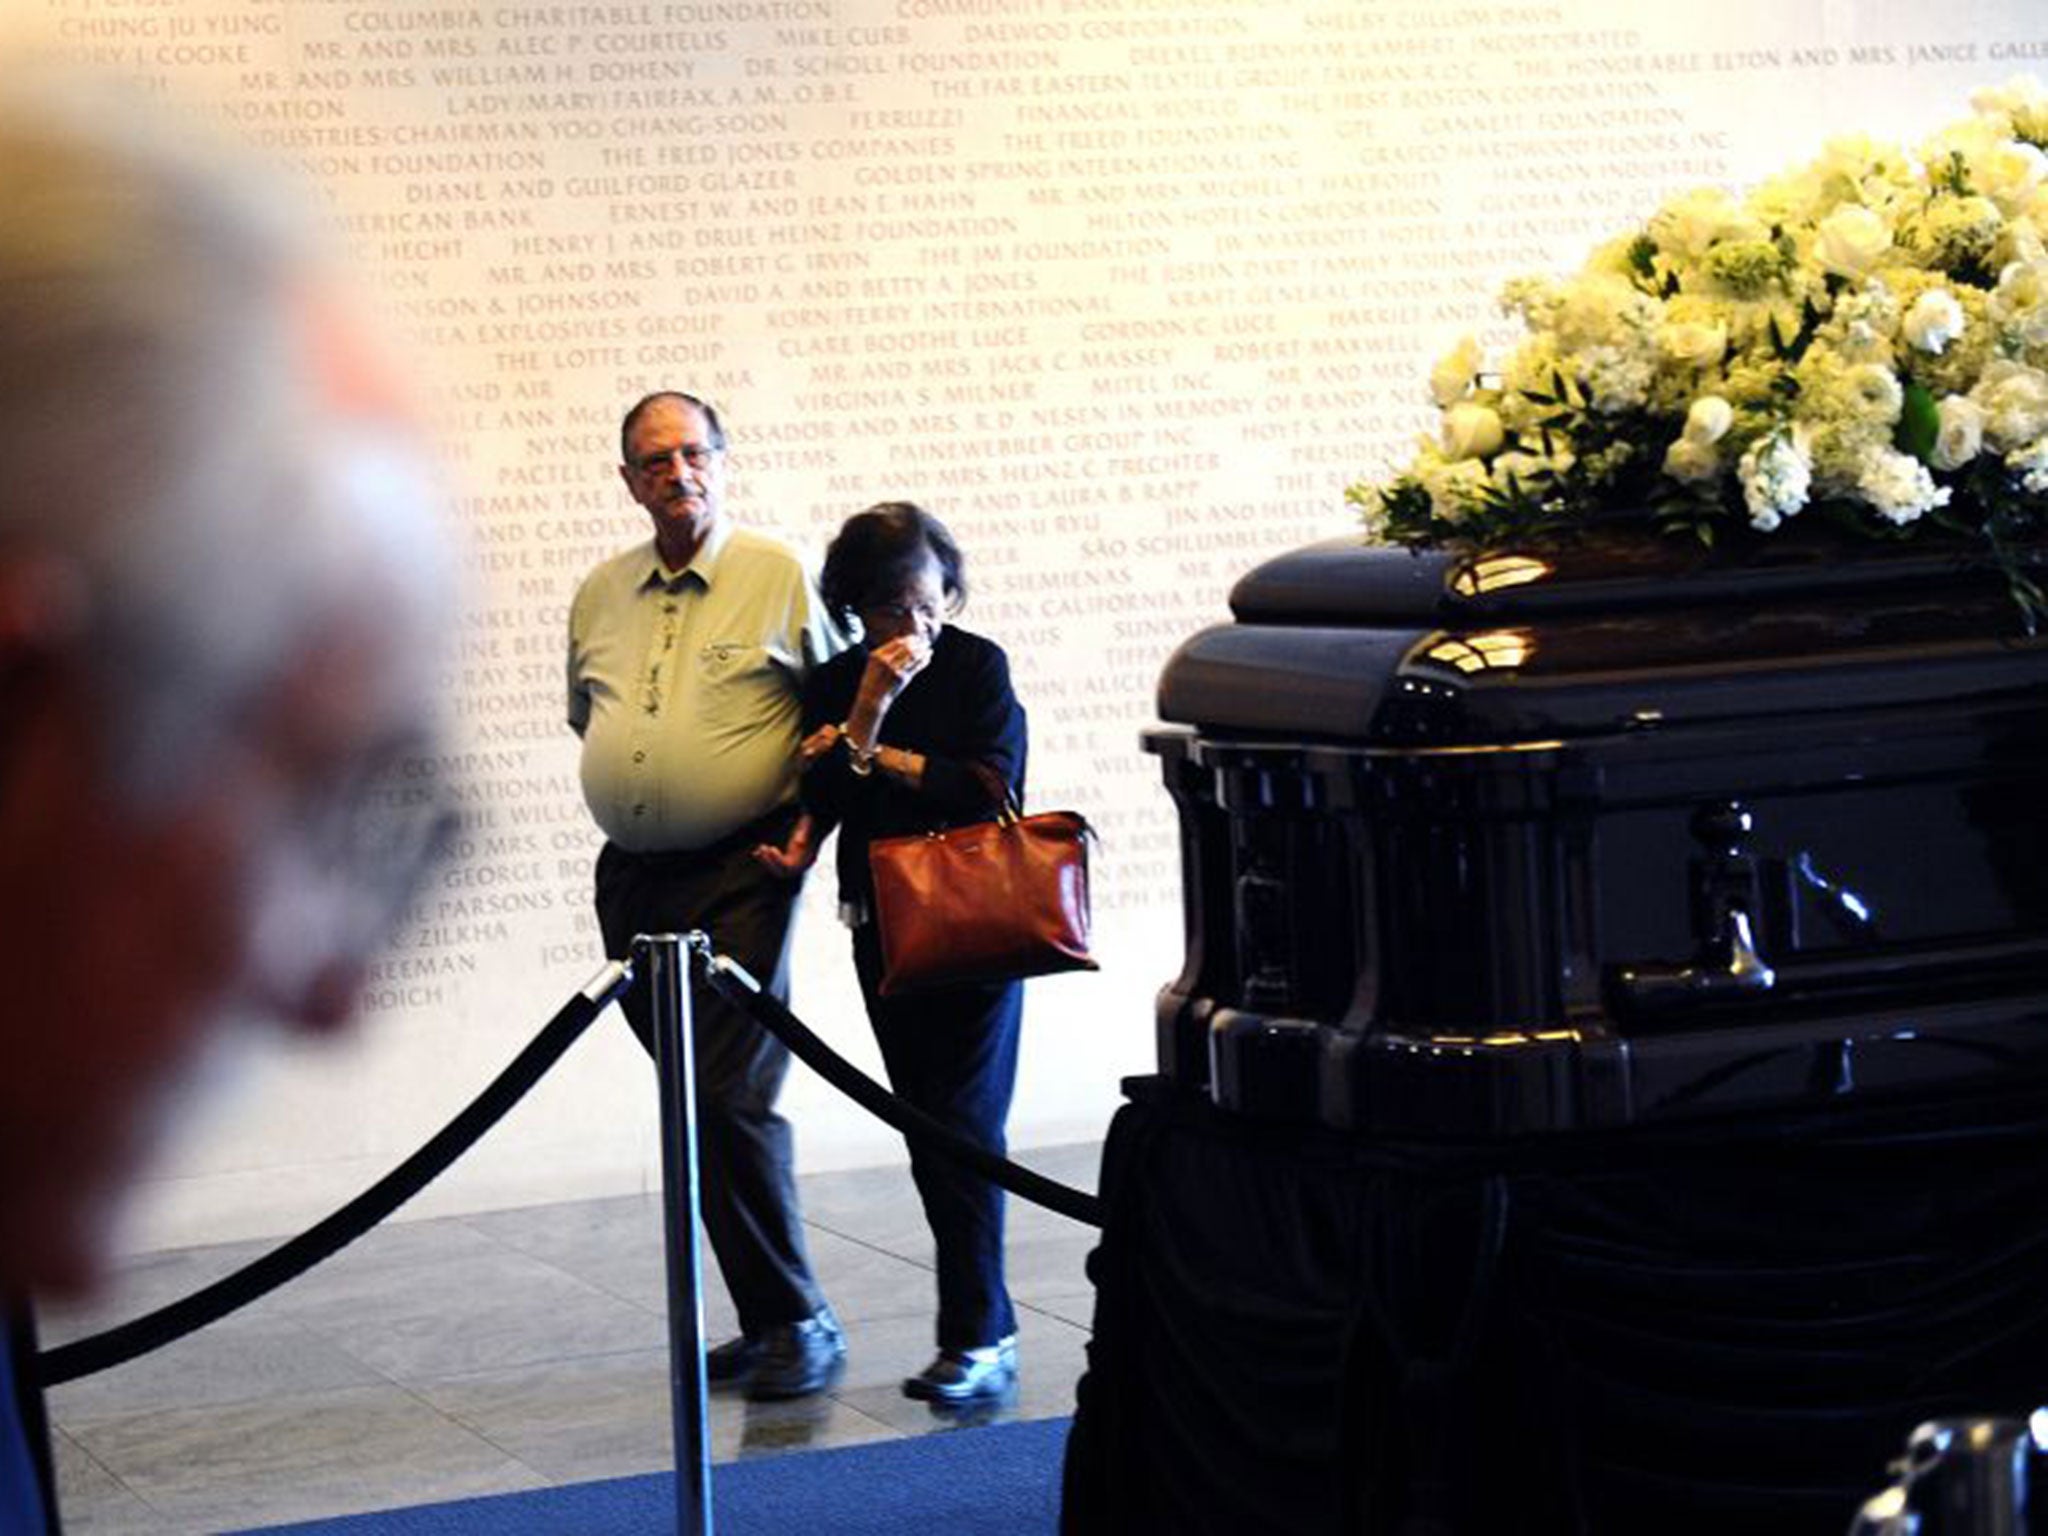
(1919, 424)
(1642, 253)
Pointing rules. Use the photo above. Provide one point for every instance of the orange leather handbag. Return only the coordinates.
(993, 901)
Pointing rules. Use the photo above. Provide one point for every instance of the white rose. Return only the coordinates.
(1959, 432)
(1709, 420)
(1851, 241)
(1693, 343)
(1935, 320)
(1471, 431)
(1453, 374)
(1692, 460)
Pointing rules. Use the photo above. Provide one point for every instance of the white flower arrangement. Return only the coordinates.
(1863, 339)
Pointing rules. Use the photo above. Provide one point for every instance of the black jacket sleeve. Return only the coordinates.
(991, 733)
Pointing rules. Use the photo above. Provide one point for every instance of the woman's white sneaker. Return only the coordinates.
(960, 1375)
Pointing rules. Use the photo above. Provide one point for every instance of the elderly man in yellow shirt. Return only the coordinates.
(687, 656)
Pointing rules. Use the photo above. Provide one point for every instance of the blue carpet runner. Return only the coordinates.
(1003, 1480)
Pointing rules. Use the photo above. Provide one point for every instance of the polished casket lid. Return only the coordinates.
(1358, 642)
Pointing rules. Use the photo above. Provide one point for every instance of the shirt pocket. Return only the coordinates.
(730, 658)
(734, 660)
(738, 684)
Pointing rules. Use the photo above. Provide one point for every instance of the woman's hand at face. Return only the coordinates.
(892, 664)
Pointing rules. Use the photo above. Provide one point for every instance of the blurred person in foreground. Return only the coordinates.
(914, 730)
(687, 657)
(222, 584)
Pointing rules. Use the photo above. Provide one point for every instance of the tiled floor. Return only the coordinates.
(446, 1358)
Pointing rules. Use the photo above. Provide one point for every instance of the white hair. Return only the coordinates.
(164, 425)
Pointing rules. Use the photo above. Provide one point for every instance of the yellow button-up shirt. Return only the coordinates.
(686, 687)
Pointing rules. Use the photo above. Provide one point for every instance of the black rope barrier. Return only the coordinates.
(138, 1336)
(153, 1330)
(740, 988)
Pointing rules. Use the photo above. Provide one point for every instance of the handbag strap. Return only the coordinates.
(1007, 807)
(997, 788)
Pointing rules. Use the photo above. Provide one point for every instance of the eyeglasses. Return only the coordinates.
(696, 455)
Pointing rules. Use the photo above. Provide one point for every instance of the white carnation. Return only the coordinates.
(1603, 311)
(2009, 172)
(1875, 392)
(2014, 399)
(1955, 230)
(1898, 487)
(1935, 320)
(1692, 222)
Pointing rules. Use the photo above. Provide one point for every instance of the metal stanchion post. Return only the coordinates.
(668, 980)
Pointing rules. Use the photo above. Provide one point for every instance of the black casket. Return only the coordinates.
(1604, 836)
(1607, 1087)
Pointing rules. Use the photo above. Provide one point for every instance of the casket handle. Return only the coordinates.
(1730, 968)
(1726, 965)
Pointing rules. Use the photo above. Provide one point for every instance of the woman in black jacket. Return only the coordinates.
(908, 732)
